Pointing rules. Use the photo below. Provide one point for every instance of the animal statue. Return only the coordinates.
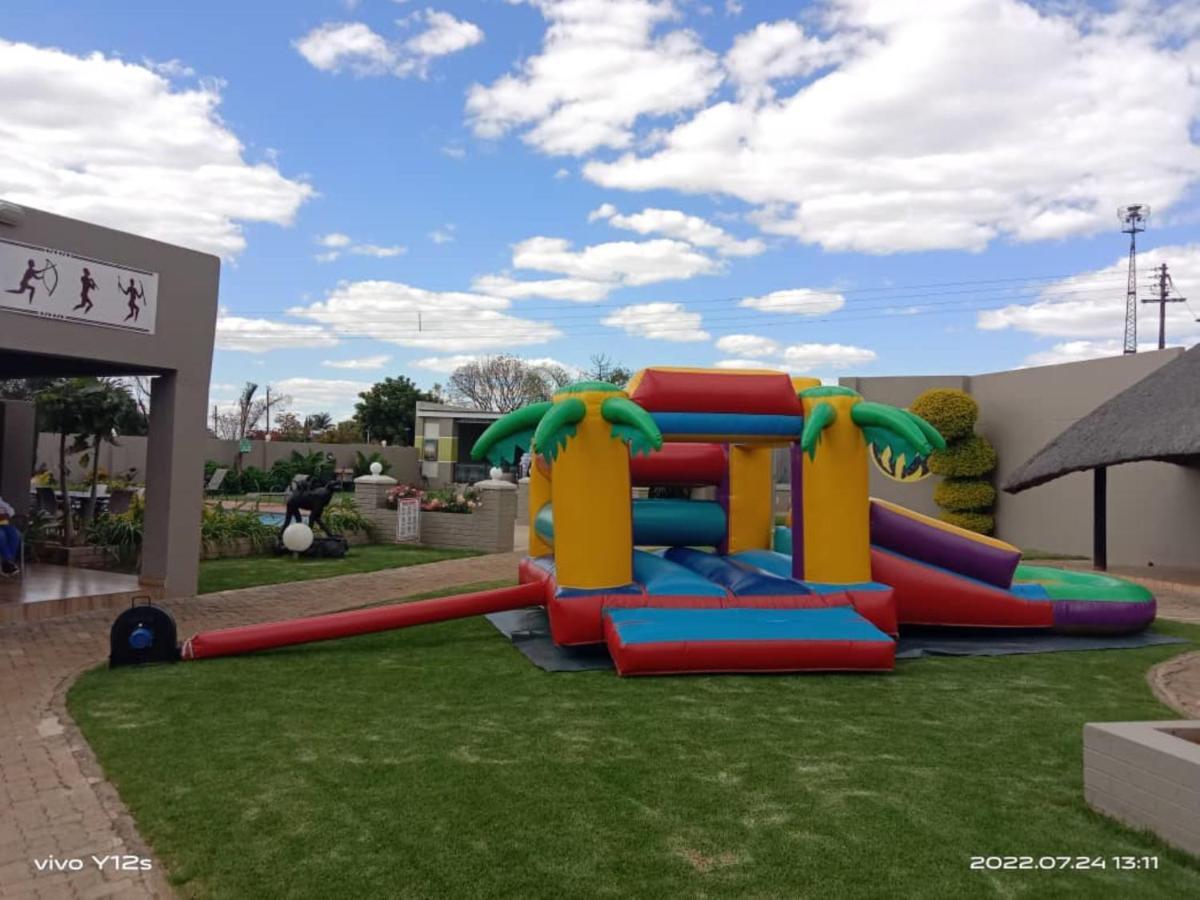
(311, 497)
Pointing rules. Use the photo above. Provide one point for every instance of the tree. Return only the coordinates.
(288, 427)
(603, 368)
(388, 410)
(59, 410)
(345, 432)
(504, 383)
(104, 412)
(316, 423)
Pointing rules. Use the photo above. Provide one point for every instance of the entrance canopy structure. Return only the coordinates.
(106, 303)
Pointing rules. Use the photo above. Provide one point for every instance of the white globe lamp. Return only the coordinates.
(376, 469)
(496, 473)
(297, 537)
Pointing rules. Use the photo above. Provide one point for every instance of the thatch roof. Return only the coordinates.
(1158, 418)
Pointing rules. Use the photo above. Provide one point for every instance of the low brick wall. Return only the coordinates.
(523, 500)
(370, 499)
(1146, 775)
(488, 528)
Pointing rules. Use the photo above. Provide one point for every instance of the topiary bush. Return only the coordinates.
(966, 494)
(979, 522)
(967, 457)
(952, 412)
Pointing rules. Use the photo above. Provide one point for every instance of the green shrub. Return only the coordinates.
(123, 533)
(969, 457)
(362, 463)
(255, 480)
(343, 517)
(219, 525)
(950, 411)
(979, 522)
(964, 494)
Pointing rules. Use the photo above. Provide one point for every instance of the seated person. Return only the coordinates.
(10, 541)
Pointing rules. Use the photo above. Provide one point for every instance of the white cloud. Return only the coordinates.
(378, 251)
(604, 65)
(336, 46)
(310, 395)
(1074, 351)
(777, 50)
(263, 335)
(337, 243)
(747, 345)
(340, 46)
(446, 321)
(362, 363)
(675, 224)
(799, 358)
(446, 365)
(114, 143)
(940, 126)
(807, 357)
(560, 174)
(454, 150)
(442, 36)
(1090, 308)
(443, 235)
(658, 321)
(577, 290)
(798, 301)
(620, 262)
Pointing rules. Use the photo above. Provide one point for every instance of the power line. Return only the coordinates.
(1166, 288)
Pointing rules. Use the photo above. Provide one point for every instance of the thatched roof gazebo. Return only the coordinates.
(1158, 418)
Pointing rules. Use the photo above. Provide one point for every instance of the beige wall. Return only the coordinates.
(131, 452)
(1154, 508)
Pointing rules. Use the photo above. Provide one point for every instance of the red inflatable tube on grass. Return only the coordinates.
(249, 638)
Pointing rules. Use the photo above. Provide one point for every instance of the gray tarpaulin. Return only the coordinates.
(529, 632)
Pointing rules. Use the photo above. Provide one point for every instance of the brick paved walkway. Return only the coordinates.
(55, 801)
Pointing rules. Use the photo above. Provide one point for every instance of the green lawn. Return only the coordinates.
(437, 762)
(227, 574)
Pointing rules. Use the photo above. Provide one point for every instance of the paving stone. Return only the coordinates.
(55, 798)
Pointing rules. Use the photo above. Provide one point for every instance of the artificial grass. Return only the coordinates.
(249, 571)
(437, 762)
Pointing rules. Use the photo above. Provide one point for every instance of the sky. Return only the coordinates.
(852, 187)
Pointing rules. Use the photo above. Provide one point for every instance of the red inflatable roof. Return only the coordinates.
(715, 391)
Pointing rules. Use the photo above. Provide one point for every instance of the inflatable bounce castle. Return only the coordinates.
(715, 585)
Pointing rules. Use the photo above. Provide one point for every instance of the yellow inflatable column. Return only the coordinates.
(593, 518)
(750, 506)
(837, 532)
(539, 496)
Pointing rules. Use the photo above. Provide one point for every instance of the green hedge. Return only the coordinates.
(969, 457)
(962, 495)
(979, 522)
(950, 411)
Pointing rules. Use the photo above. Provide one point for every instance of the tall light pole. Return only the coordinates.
(1133, 220)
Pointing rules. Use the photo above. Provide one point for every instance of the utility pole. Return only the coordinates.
(1133, 220)
(1166, 288)
(214, 418)
(268, 412)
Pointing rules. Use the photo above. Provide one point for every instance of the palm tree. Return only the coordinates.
(587, 433)
(104, 413)
(832, 542)
(316, 423)
(60, 410)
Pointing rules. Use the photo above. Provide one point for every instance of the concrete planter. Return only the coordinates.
(84, 556)
(1146, 775)
(488, 528)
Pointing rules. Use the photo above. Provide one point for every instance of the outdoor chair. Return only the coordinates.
(119, 501)
(214, 483)
(47, 501)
